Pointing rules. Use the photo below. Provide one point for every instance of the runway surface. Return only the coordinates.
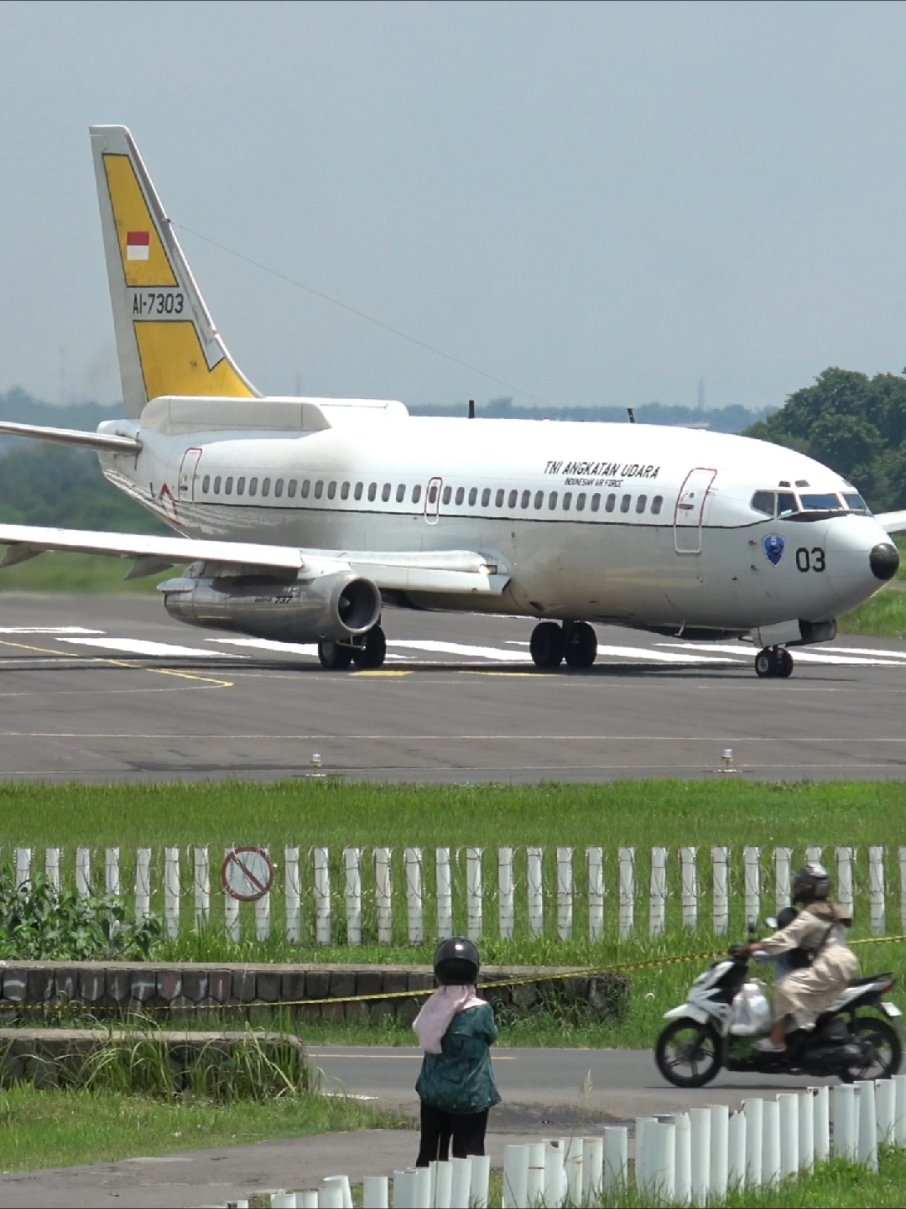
(110, 688)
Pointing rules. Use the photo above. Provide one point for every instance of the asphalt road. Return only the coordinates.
(110, 688)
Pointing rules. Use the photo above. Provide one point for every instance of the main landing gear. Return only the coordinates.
(774, 662)
(367, 653)
(574, 641)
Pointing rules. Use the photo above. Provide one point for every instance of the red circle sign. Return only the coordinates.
(247, 874)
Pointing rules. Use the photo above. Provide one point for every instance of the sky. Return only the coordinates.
(587, 204)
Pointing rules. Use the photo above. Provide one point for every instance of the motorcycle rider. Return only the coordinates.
(819, 930)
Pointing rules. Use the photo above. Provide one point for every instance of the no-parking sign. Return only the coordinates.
(247, 874)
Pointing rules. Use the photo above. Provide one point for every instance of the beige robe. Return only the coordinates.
(805, 994)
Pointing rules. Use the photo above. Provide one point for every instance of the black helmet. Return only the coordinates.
(456, 962)
(810, 883)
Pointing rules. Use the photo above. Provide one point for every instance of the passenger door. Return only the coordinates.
(188, 472)
(690, 507)
(432, 500)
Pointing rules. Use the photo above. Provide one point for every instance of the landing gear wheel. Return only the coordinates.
(786, 664)
(372, 652)
(881, 1048)
(548, 645)
(581, 645)
(773, 662)
(688, 1054)
(334, 656)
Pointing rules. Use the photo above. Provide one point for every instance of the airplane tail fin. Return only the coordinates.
(166, 340)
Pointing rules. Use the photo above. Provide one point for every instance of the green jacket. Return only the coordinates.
(460, 1079)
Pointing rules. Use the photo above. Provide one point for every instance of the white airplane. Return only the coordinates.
(299, 519)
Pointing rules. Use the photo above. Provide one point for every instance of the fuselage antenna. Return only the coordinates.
(631, 415)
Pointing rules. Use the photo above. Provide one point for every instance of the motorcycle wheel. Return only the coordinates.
(688, 1054)
(882, 1046)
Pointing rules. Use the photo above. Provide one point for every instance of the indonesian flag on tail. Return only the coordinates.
(138, 245)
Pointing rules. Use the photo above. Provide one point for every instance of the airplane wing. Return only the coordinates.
(893, 522)
(408, 571)
(107, 442)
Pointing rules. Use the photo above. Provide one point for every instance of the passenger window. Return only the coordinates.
(786, 504)
(473, 496)
(206, 484)
(448, 491)
(656, 505)
(498, 502)
(580, 502)
(319, 489)
(625, 502)
(567, 500)
(278, 488)
(306, 487)
(240, 486)
(332, 490)
(217, 485)
(763, 501)
(253, 486)
(400, 493)
(291, 489)
(228, 486)
(359, 488)
(596, 502)
(539, 499)
(641, 503)
(432, 493)
(385, 492)
(460, 494)
(344, 492)
(514, 496)
(552, 500)
(416, 493)
(526, 498)
(372, 492)
(265, 486)
(486, 497)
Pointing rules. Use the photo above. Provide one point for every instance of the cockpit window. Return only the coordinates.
(786, 503)
(763, 501)
(855, 503)
(821, 503)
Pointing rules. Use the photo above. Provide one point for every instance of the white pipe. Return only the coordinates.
(720, 902)
(231, 921)
(876, 904)
(788, 1103)
(422, 1188)
(594, 858)
(444, 894)
(201, 876)
(474, 894)
(806, 1131)
(885, 1106)
(283, 1200)
(383, 877)
(534, 1185)
(515, 1177)
(171, 892)
(292, 895)
(655, 1166)
(868, 1124)
(23, 868)
(442, 1176)
(700, 1166)
(821, 1110)
(352, 869)
(626, 864)
(375, 1192)
(323, 928)
(573, 1164)
(401, 1196)
(565, 893)
(736, 1152)
(415, 895)
(462, 1185)
(616, 1157)
(340, 1182)
(782, 879)
(112, 887)
(143, 884)
(720, 1142)
(592, 1169)
(770, 1136)
(307, 1199)
(899, 1124)
(83, 872)
(263, 912)
(846, 1122)
(751, 884)
(814, 856)
(554, 1176)
(330, 1196)
(52, 867)
(689, 886)
(481, 1180)
(535, 863)
(754, 1114)
(845, 892)
(682, 1162)
(641, 1124)
(657, 914)
(506, 894)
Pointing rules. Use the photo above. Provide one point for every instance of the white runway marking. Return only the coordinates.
(140, 646)
(292, 648)
(459, 648)
(47, 629)
(644, 652)
(797, 653)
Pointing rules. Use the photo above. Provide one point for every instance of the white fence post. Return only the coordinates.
(656, 1164)
(83, 872)
(657, 915)
(782, 880)
(700, 1176)
(845, 888)
(506, 894)
(535, 882)
(143, 883)
(444, 894)
(789, 1133)
(689, 886)
(754, 1113)
(565, 893)
(23, 868)
(720, 900)
(534, 1187)
(885, 1105)
(112, 886)
(292, 895)
(481, 1179)
(515, 1176)
(171, 892)
(592, 1169)
(720, 1150)
(770, 1136)
(474, 894)
(415, 895)
(201, 873)
(573, 1162)
(626, 863)
(231, 921)
(375, 1192)
(752, 884)
(594, 859)
(352, 868)
(822, 1123)
(554, 1176)
(52, 867)
(736, 1151)
(899, 1122)
(682, 1168)
(321, 857)
(263, 911)
(806, 1131)
(846, 1122)
(876, 888)
(383, 878)
(868, 1124)
(616, 1157)
(902, 859)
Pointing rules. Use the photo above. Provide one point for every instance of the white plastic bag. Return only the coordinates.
(751, 1010)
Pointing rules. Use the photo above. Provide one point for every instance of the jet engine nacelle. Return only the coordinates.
(337, 606)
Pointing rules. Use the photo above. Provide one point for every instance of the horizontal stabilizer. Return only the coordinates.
(893, 522)
(107, 442)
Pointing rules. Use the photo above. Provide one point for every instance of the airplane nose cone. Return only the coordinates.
(884, 561)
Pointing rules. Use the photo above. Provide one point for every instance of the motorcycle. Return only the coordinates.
(725, 1012)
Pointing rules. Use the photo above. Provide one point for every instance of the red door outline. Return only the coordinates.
(690, 507)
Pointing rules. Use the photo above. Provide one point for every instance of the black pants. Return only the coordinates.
(466, 1129)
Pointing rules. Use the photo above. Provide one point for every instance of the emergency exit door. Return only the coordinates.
(690, 508)
(188, 472)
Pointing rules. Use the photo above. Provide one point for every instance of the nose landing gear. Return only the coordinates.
(774, 662)
(574, 641)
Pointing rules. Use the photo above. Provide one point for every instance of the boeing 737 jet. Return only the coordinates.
(300, 519)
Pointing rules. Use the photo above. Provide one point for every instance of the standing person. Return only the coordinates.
(456, 1085)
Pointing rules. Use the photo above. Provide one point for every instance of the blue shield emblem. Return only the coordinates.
(773, 548)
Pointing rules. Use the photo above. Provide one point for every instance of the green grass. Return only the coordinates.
(89, 573)
(884, 616)
(63, 1128)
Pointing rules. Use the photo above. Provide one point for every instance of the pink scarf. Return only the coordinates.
(436, 1016)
